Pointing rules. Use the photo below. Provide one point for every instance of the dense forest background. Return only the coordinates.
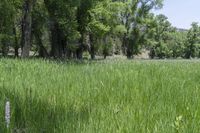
(74, 29)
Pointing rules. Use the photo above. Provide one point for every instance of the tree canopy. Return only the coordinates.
(76, 28)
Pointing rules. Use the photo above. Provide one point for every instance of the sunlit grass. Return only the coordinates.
(115, 96)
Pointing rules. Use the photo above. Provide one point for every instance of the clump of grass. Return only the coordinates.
(115, 96)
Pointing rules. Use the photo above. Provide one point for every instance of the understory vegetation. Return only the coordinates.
(106, 96)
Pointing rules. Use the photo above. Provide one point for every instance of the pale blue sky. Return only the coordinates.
(181, 13)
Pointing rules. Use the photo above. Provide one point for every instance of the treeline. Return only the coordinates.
(75, 28)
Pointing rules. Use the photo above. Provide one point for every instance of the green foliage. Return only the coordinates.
(107, 46)
(164, 41)
(64, 13)
(70, 27)
(119, 30)
(133, 16)
(6, 21)
(98, 29)
(176, 44)
(193, 39)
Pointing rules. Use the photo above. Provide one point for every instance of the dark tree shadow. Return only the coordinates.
(32, 115)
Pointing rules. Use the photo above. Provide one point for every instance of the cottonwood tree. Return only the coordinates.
(193, 37)
(39, 27)
(27, 27)
(87, 25)
(132, 17)
(6, 25)
(63, 25)
(158, 34)
(104, 19)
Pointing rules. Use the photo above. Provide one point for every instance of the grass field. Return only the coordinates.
(103, 97)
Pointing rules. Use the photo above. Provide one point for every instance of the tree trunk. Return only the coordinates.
(56, 44)
(92, 53)
(79, 51)
(92, 48)
(64, 47)
(81, 20)
(26, 28)
(124, 44)
(5, 47)
(129, 49)
(129, 56)
(16, 51)
(16, 45)
(104, 56)
(56, 40)
(105, 50)
(129, 52)
(42, 50)
(69, 54)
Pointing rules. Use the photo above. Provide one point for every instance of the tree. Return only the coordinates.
(27, 27)
(176, 44)
(86, 22)
(63, 25)
(159, 30)
(133, 17)
(193, 37)
(39, 26)
(100, 28)
(6, 25)
(67, 28)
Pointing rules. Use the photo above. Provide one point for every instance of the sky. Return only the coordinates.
(181, 13)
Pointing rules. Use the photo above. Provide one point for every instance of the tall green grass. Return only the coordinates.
(103, 97)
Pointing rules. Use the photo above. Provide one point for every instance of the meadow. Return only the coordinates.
(119, 96)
